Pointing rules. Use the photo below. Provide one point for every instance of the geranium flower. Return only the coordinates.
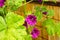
(40, 1)
(2, 3)
(35, 33)
(31, 19)
(44, 13)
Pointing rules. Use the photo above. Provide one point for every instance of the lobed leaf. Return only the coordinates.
(49, 24)
(14, 20)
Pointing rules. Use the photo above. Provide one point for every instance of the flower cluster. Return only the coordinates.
(31, 20)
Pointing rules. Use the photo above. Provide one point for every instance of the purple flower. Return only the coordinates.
(44, 13)
(35, 33)
(40, 1)
(25, 24)
(31, 19)
(2, 3)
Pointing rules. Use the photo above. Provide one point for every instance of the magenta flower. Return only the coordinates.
(40, 1)
(2, 3)
(45, 13)
(31, 19)
(35, 33)
(25, 24)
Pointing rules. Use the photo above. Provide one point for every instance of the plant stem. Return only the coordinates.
(42, 3)
(25, 8)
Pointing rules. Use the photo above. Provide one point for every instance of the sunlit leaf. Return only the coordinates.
(58, 28)
(14, 4)
(39, 15)
(2, 35)
(48, 21)
(49, 24)
(2, 24)
(14, 20)
(50, 13)
(43, 8)
(51, 30)
(28, 12)
(11, 28)
(28, 37)
(37, 8)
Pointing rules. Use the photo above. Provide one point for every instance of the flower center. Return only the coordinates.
(32, 19)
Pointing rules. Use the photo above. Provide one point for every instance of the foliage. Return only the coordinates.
(14, 20)
(49, 24)
(11, 27)
(40, 10)
(14, 4)
(11, 24)
(50, 13)
(52, 27)
(58, 28)
(38, 14)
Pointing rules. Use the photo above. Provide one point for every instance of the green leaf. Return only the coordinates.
(50, 13)
(28, 12)
(17, 34)
(48, 21)
(2, 24)
(3, 11)
(39, 15)
(14, 20)
(49, 24)
(11, 28)
(14, 4)
(39, 11)
(22, 30)
(37, 8)
(43, 8)
(51, 30)
(58, 28)
(2, 35)
(28, 37)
